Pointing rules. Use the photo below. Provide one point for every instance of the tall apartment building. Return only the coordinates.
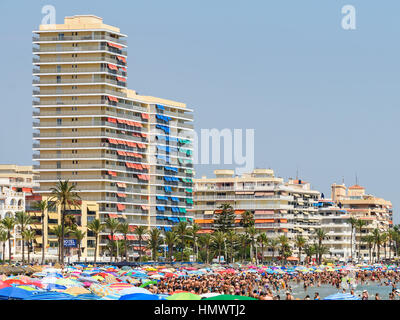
(130, 154)
(376, 212)
(16, 184)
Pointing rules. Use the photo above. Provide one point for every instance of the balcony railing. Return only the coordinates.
(38, 71)
(45, 59)
(79, 81)
(99, 91)
(37, 38)
(93, 134)
(64, 49)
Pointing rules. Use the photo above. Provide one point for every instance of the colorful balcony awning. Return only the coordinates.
(145, 116)
(120, 207)
(112, 67)
(121, 59)
(114, 45)
(112, 98)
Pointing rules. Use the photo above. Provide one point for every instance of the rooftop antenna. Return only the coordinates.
(343, 180)
(356, 179)
(297, 173)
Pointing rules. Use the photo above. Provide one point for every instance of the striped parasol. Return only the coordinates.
(102, 291)
(119, 286)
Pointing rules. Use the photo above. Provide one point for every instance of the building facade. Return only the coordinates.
(128, 153)
(376, 212)
(16, 184)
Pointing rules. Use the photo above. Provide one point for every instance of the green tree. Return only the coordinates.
(218, 239)
(231, 239)
(9, 224)
(60, 233)
(252, 232)
(369, 240)
(193, 230)
(28, 236)
(23, 219)
(300, 243)
(353, 223)
(64, 194)
(79, 235)
(3, 240)
(154, 242)
(183, 233)
(247, 219)
(284, 250)
(206, 241)
(225, 218)
(43, 206)
(320, 235)
(112, 225)
(96, 227)
(378, 239)
(140, 231)
(273, 244)
(262, 240)
(124, 229)
(170, 239)
(360, 224)
(309, 250)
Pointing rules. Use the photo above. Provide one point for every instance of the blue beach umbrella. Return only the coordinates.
(14, 293)
(141, 296)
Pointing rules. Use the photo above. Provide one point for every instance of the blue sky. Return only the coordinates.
(321, 99)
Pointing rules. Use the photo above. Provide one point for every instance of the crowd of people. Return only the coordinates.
(271, 286)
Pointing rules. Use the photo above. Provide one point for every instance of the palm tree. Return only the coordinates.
(124, 229)
(385, 239)
(64, 194)
(182, 232)
(252, 232)
(309, 251)
(231, 238)
(206, 241)
(244, 241)
(9, 224)
(3, 240)
(300, 242)
(154, 242)
(284, 247)
(79, 236)
(378, 242)
(112, 226)
(262, 240)
(353, 223)
(247, 219)
(194, 229)
(96, 227)
(218, 239)
(273, 245)
(28, 236)
(170, 240)
(391, 237)
(140, 231)
(360, 225)
(43, 206)
(369, 240)
(320, 235)
(23, 219)
(60, 232)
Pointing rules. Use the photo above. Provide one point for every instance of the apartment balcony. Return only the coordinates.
(74, 92)
(95, 37)
(244, 197)
(55, 71)
(99, 81)
(126, 201)
(246, 207)
(94, 134)
(104, 166)
(88, 156)
(91, 102)
(96, 188)
(80, 49)
(43, 60)
(89, 113)
(50, 178)
(86, 124)
(89, 145)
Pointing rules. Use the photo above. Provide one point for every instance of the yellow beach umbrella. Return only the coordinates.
(76, 290)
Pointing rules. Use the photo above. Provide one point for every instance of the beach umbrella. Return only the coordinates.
(119, 286)
(102, 291)
(14, 293)
(341, 296)
(141, 296)
(54, 286)
(50, 295)
(148, 283)
(133, 290)
(210, 294)
(76, 290)
(184, 296)
(229, 297)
